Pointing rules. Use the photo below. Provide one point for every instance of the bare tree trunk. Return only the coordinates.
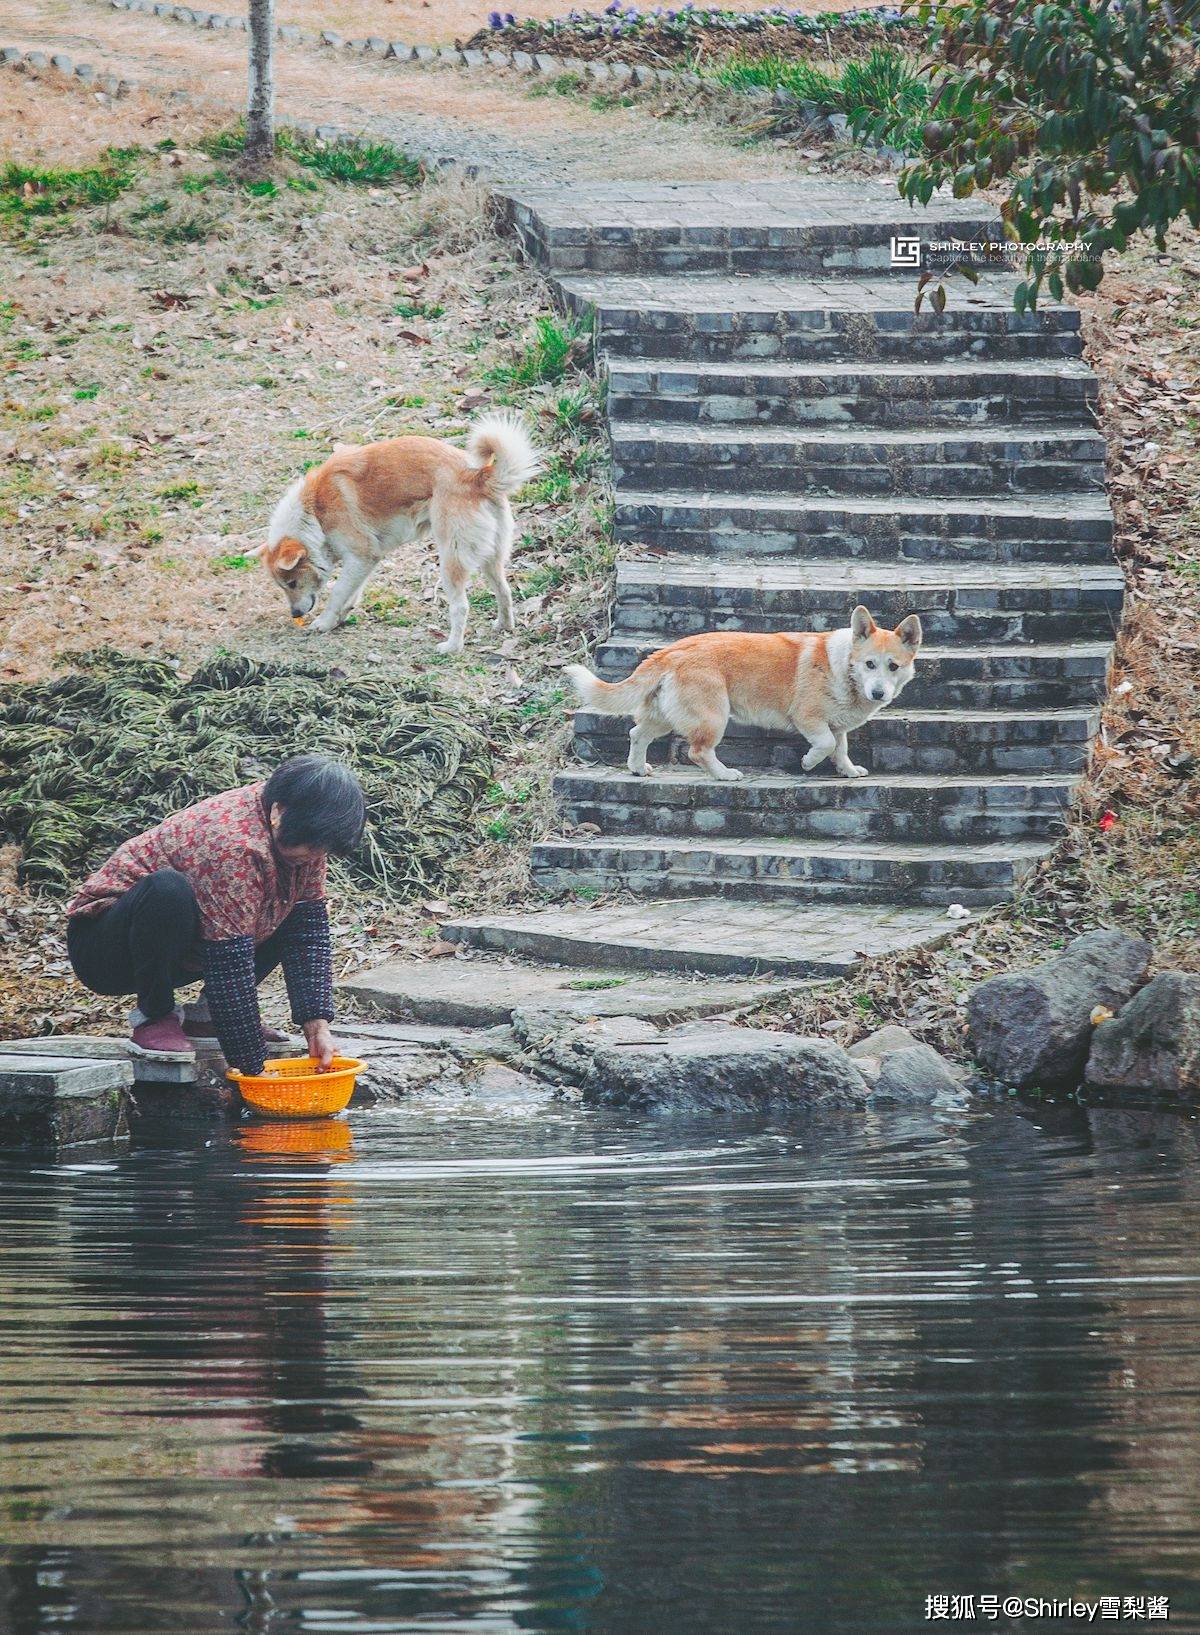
(260, 110)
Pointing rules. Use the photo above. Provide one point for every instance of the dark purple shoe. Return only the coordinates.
(163, 1034)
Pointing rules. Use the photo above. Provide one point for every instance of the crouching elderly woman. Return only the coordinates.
(224, 891)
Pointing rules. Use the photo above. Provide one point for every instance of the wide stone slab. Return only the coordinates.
(720, 938)
(155, 1067)
(52, 1101)
(482, 993)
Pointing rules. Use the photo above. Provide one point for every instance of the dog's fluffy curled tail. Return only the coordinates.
(609, 697)
(500, 449)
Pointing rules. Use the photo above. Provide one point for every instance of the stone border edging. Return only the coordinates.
(615, 76)
(11, 56)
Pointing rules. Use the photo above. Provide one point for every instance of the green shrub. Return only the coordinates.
(1087, 110)
(886, 83)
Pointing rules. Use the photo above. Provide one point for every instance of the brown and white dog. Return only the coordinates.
(822, 686)
(346, 515)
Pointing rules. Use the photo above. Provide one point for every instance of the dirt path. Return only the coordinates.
(433, 113)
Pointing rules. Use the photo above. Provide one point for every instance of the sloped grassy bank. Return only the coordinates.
(116, 742)
(179, 342)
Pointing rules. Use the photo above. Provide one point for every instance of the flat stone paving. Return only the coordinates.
(713, 936)
(1091, 504)
(157, 1067)
(480, 993)
(713, 206)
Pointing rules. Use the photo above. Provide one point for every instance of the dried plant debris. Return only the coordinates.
(117, 742)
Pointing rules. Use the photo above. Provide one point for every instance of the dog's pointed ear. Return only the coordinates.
(909, 632)
(862, 624)
(291, 554)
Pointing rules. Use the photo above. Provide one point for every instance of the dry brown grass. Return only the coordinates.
(172, 360)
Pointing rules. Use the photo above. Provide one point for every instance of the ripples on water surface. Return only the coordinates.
(578, 1374)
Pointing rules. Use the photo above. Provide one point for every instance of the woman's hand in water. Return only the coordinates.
(320, 1042)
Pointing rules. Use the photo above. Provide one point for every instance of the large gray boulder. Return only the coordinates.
(1154, 1044)
(1032, 1029)
(716, 1067)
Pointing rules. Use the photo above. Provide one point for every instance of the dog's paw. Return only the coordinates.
(640, 771)
(730, 774)
(449, 646)
(849, 770)
(505, 626)
(321, 626)
(811, 761)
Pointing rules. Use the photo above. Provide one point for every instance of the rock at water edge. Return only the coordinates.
(1154, 1044)
(1033, 1028)
(701, 1067)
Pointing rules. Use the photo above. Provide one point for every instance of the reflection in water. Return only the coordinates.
(585, 1375)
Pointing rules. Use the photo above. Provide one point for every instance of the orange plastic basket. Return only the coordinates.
(291, 1087)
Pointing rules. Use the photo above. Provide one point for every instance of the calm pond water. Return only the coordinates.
(568, 1372)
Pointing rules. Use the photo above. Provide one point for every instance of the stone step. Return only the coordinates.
(720, 320)
(960, 392)
(682, 801)
(995, 604)
(989, 460)
(1050, 675)
(788, 870)
(482, 993)
(898, 741)
(718, 938)
(1017, 528)
(748, 229)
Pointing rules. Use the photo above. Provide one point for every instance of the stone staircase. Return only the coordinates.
(789, 439)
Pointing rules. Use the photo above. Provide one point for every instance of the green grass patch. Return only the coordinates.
(597, 984)
(38, 193)
(544, 359)
(886, 82)
(234, 562)
(770, 72)
(418, 309)
(356, 163)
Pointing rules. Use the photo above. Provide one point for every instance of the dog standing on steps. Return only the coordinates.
(821, 685)
(346, 515)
